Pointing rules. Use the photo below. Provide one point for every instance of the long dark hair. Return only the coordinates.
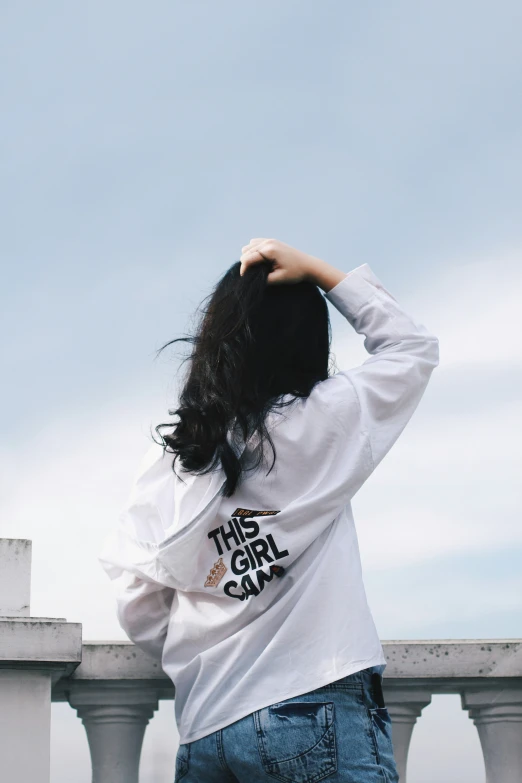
(255, 344)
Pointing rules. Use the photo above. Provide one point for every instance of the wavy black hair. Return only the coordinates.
(255, 343)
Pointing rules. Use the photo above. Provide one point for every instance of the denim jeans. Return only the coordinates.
(340, 732)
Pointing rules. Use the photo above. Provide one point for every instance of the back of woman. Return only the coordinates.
(235, 561)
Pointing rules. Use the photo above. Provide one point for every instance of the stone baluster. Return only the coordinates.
(496, 711)
(405, 704)
(115, 692)
(115, 717)
(35, 652)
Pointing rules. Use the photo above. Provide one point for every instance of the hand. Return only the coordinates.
(289, 264)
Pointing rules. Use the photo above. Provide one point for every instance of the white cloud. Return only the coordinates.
(472, 305)
(474, 309)
(450, 485)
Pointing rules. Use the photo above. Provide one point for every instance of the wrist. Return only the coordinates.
(324, 275)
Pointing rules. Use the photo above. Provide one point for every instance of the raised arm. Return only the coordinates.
(390, 383)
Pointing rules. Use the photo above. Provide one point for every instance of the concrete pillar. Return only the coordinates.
(496, 710)
(34, 653)
(15, 577)
(25, 725)
(405, 705)
(115, 718)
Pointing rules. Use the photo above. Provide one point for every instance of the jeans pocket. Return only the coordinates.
(296, 740)
(381, 727)
(182, 762)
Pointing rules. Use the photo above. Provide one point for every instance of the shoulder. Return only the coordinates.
(335, 399)
(153, 456)
(331, 407)
(155, 465)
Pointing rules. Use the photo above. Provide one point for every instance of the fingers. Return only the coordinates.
(251, 254)
(253, 243)
(258, 249)
(248, 258)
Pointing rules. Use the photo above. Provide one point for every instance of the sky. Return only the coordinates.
(143, 146)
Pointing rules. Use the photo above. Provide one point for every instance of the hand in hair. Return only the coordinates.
(289, 264)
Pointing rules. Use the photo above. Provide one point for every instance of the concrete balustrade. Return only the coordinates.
(488, 676)
(115, 692)
(116, 689)
(497, 714)
(405, 705)
(115, 719)
(35, 652)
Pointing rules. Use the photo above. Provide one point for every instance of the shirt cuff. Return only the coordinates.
(354, 290)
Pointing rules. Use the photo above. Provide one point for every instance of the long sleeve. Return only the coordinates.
(144, 598)
(143, 610)
(389, 385)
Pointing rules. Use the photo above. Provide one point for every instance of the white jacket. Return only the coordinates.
(257, 598)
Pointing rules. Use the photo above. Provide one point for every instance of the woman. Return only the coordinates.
(236, 561)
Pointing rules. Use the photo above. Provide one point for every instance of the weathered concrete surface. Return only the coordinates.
(446, 666)
(453, 658)
(115, 665)
(117, 661)
(36, 640)
(15, 577)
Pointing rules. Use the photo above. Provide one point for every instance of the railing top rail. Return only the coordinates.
(419, 658)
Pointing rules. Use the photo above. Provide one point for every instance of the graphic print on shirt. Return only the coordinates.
(250, 555)
(217, 572)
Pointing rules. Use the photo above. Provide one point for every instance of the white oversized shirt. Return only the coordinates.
(257, 598)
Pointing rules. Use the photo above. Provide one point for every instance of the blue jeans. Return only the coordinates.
(340, 733)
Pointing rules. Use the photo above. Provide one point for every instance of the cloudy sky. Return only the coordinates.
(143, 145)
